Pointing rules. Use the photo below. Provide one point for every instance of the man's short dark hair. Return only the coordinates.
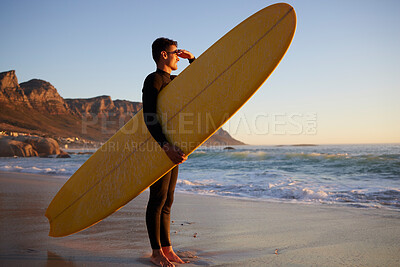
(159, 45)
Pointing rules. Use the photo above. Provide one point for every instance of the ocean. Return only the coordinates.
(362, 176)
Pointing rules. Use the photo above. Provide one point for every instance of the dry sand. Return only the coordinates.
(205, 230)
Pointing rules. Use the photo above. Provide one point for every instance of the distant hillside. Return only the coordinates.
(36, 107)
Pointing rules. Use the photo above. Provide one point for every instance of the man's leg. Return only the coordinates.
(166, 219)
(166, 210)
(157, 199)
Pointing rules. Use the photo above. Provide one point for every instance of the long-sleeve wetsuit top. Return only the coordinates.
(153, 84)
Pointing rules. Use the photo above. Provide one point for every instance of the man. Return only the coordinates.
(166, 55)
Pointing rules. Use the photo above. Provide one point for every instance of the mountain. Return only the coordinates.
(35, 107)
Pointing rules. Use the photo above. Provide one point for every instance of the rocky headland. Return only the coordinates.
(36, 108)
(29, 146)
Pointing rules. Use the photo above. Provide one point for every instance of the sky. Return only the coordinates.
(337, 84)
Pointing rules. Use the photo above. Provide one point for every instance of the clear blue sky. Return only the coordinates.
(338, 83)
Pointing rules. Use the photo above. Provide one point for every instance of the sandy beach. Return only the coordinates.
(207, 231)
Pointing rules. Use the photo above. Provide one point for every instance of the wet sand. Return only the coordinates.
(208, 231)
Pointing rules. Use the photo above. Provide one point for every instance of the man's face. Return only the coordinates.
(172, 57)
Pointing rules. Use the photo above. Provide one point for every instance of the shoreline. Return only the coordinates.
(350, 205)
(344, 204)
(206, 230)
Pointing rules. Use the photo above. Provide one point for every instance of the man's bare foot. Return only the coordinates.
(170, 254)
(159, 259)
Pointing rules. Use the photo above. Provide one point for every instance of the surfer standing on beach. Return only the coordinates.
(166, 55)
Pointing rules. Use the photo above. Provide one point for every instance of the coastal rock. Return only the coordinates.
(11, 148)
(63, 155)
(47, 146)
(44, 146)
(28, 146)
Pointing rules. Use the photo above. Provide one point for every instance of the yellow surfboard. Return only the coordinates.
(191, 108)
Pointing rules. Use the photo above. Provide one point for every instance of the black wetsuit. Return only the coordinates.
(161, 192)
